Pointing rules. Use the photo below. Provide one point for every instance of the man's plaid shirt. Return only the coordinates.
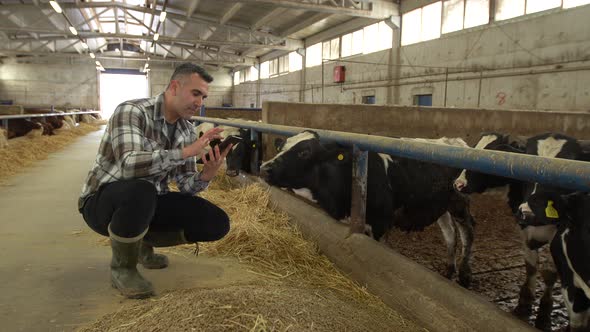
(135, 145)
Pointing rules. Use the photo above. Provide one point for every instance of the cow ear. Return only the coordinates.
(279, 142)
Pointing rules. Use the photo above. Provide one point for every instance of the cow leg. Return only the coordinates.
(447, 226)
(527, 290)
(576, 298)
(543, 320)
(466, 232)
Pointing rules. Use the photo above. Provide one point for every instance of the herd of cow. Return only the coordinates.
(49, 125)
(409, 195)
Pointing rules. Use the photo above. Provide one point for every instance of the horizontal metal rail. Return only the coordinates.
(36, 115)
(252, 109)
(563, 173)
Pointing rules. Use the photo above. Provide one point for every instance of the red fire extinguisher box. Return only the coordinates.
(339, 74)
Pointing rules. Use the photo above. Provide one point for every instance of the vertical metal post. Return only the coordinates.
(446, 83)
(359, 190)
(255, 146)
(202, 111)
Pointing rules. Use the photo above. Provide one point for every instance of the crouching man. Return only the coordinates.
(147, 144)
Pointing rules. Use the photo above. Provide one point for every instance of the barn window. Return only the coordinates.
(368, 99)
(477, 12)
(423, 100)
(237, 78)
(411, 23)
(452, 15)
(422, 24)
(538, 6)
(264, 70)
(313, 55)
(295, 61)
(574, 3)
(506, 9)
(252, 74)
(274, 67)
(330, 49)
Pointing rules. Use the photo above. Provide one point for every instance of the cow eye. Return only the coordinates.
(304, 154)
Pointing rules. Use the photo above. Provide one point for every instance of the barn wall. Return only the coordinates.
(73, 82)
(427, 122)
(59, 83)
(535, 62)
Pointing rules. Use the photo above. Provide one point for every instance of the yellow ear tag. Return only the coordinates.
(340, 156)
(550, 211)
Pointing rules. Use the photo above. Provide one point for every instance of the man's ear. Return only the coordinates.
(174, 86)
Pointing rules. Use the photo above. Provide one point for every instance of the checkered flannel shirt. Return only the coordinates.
(135, 145)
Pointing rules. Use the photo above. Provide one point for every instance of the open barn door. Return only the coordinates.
(119, 85)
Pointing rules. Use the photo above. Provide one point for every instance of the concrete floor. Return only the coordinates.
(54, 273)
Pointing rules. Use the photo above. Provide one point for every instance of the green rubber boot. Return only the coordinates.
(149, 259)
(124, 274)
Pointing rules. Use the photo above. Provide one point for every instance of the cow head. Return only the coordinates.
(240, 155)
(475, 182)
(574, 210)
(550, 146)
(297, 155)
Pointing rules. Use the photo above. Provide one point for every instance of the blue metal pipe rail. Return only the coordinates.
(36, 115)
(563, 173)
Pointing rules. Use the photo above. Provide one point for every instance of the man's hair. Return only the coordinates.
(187, 69)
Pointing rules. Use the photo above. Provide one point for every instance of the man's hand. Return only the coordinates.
(211, 166)
(198, 146)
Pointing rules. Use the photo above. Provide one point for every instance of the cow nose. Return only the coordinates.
(265, 172)
(459, 185)
(524, 212)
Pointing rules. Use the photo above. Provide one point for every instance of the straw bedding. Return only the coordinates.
(298, 288)
(23, 151)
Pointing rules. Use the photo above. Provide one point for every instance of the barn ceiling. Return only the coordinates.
(215, 33)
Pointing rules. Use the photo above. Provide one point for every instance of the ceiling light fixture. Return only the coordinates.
(97, 62)
(55, 6)
(84, 45)
(162, 16)
(156, 37)
(92, 55)
(73, 30)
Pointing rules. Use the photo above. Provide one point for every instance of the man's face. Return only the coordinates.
(190, 93)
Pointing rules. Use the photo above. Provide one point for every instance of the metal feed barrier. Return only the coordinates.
(570, 174)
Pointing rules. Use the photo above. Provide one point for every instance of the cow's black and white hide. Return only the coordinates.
(570, 248)
(240, 157)
(535, 232)
(401, 193)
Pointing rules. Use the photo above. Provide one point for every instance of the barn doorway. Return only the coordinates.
(119, 85)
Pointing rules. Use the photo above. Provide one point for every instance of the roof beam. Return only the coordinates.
(230, 13)
(200, 19)
(272, 14)
(376, 9)
(153, 58)
(191, 9)
(304, 24)
(62, 35)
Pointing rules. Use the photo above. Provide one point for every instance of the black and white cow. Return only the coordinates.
(535, 232)
(239, 158)
(401, 193)
(570, 248)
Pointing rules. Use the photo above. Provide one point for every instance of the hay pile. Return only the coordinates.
(299, 289)
(23, 151)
